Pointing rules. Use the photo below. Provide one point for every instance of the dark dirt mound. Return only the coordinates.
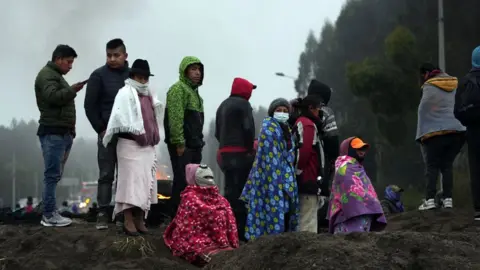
(440, 220)
(81, 246)
(414, 240)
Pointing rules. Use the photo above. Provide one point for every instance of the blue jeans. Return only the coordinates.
(55, 149)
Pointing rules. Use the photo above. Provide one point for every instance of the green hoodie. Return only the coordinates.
(184, 111)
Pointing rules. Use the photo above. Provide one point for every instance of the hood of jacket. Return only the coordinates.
(444, 82)
(476, 57)
(190, 173)
(346, 148)
(199, 175)
(393, 193)
(242, 88)
(318, 88)
(186, 62)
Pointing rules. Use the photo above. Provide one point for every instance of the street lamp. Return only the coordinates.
(281, 74)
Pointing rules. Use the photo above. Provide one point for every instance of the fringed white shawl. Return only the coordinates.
(126, 116)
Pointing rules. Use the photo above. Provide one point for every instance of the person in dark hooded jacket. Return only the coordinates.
(329, 132)
(235, 132)
(392, 201)
(330, 141)
(467, 111)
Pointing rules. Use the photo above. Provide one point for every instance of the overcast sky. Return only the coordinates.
(249, 38)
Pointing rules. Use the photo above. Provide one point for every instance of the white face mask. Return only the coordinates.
(281, 117)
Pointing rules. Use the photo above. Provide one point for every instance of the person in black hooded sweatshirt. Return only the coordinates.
(329, 131)
(329, 136)
(235, 132)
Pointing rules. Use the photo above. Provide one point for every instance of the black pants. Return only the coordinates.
(107, 162)
(322, 222)
(473, 140)
(178, 167)
(439, 154)
(236, 167)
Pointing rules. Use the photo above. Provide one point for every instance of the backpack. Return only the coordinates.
(467, 101)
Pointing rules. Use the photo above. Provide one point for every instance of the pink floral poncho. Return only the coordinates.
(353, 196)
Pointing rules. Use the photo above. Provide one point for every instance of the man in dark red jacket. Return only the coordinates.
(310, 160)
(235, 132)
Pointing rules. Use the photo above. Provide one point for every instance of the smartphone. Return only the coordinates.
(84, 82)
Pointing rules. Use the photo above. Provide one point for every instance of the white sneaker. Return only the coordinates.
(447, 203)
(427, 205)
(56, 220)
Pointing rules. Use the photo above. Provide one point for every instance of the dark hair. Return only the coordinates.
(427, 67)
(287, 134)
(63, 51)
(310, 101)
(115, 44)
(296, 102)
(306, 104)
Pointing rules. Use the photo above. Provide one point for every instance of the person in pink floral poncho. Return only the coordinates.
(354, 205)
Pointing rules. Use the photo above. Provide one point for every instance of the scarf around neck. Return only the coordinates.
(126, 114)
(141, 88)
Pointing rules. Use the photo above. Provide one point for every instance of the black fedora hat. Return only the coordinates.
(141, 67)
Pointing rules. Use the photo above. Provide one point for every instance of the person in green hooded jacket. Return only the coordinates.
(184, 123)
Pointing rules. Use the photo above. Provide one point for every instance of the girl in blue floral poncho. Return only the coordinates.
(271, 192)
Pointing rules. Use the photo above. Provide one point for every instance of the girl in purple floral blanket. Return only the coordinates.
(354, 206)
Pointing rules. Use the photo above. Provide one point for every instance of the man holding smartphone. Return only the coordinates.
(56, 103)
(102, 89)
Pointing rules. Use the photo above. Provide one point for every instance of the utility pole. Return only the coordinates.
(441, 37)
(441, 53)
(35, 178)
(14, 179)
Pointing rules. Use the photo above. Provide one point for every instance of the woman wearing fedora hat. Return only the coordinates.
(135, 120)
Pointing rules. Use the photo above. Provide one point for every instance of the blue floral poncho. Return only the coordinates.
(271, 192)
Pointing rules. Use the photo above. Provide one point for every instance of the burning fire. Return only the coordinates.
(162, 175)
(161, 197)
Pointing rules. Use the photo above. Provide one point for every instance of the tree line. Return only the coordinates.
(21, 159)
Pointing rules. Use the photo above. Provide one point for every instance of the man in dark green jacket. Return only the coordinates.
(184, 123)
(55, 101)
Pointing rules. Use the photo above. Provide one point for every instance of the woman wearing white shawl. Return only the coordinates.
(135, 119)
